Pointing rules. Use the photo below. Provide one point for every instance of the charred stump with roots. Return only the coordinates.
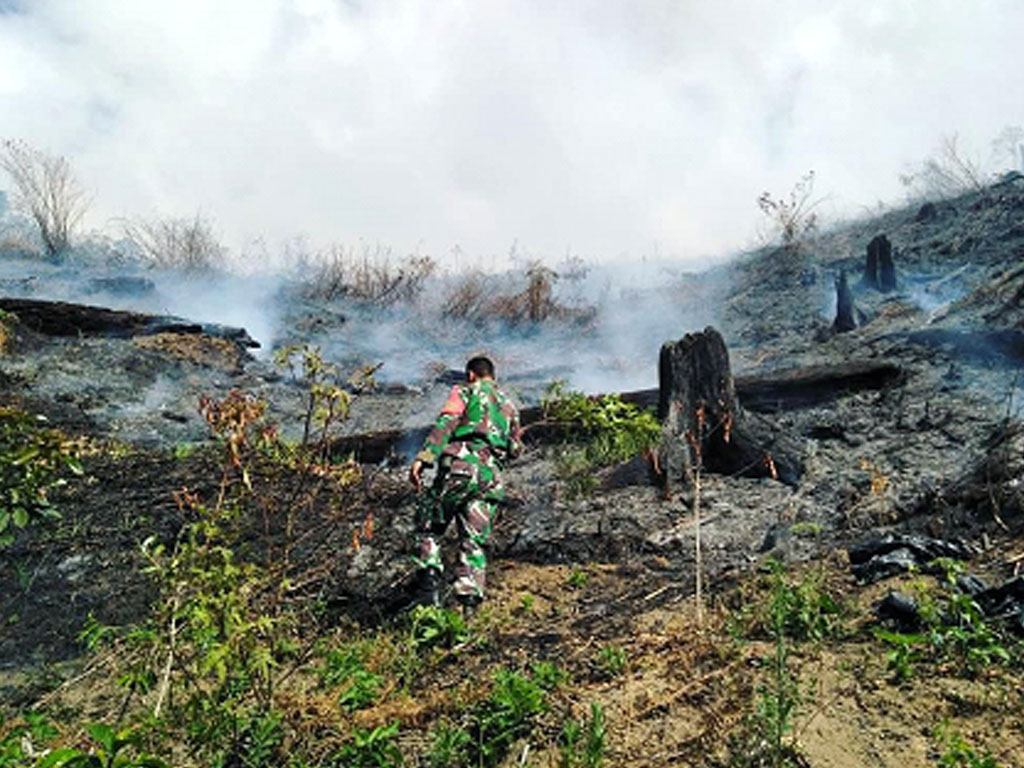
(703, 425)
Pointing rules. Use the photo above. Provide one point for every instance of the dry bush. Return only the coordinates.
(475, 298)
(947, 173)
(793, 220)
(374, 276)
(46, 189)
(466, 297)
(185, 244)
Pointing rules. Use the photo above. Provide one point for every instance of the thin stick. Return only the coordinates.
(165, 678)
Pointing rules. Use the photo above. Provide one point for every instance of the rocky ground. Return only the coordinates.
(936, 454)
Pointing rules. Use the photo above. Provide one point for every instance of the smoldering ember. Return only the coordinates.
(812, 559)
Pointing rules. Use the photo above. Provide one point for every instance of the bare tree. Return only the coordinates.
(45, 189)
(185, 244)
(950, 172)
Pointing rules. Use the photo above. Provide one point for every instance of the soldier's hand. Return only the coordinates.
(416, 475)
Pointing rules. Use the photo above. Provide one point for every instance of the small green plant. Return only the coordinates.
(33, 460)
(371, 749)
(600, 431)
(904, 654)
(433, 627)
(112, 751)
(505, 717)
(612, 660)
(26, 737)
(578, 578)
(582, 745)
(762, 739)
(957, 753)
(548, 675)
(450, 746)
(526, 603)
(805, 608)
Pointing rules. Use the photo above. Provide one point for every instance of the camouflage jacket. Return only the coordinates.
(478, 419)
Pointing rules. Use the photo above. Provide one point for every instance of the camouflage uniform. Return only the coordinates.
(477, 431)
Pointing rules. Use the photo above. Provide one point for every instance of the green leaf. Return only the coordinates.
(20, 517)
(103, 734)
(26, 456)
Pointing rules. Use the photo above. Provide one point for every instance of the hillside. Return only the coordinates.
(591, 648)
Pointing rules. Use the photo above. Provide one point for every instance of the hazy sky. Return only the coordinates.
(608, 127)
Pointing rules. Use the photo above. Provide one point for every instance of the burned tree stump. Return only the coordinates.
(879, 267)
(848, 316)
(703, 424)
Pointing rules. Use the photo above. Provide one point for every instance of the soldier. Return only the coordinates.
(476, 433)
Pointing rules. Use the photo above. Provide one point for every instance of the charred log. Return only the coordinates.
(773, 392)
(813, 385)
(703, 424)
(61, 318)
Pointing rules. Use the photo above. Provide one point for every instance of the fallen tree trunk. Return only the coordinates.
(62, 318)
(771, 392)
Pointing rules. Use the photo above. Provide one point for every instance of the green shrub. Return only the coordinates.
(33, 459)
(600, 431)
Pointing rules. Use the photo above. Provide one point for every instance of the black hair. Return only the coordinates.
(481, 366)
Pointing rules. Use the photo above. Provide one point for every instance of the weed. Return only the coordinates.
(578, 578)
(526, 603)
(954, 630)
(548, 675)
(111, 751)
(346, 667)
(373, 748)
(612, 660)
(583, 744)
(905, 653)
(805, 608)
(24, 740)
(33, 460)
(505, 717)
(762, 739)
(433, 626)
(450, 746)
(957, 753)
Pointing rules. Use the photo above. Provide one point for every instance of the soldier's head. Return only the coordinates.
(479, 368)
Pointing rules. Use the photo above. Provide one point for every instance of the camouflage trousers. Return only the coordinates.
(458, 497)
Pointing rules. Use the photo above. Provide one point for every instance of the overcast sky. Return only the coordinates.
(609, 127)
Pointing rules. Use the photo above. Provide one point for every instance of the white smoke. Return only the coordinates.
(619, 128)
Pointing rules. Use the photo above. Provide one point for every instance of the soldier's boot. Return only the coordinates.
(469, 604)
(428, 591)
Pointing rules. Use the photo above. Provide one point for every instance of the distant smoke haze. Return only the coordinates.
(606, 129)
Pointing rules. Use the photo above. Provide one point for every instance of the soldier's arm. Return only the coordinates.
(443, 428)
(515, 432)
